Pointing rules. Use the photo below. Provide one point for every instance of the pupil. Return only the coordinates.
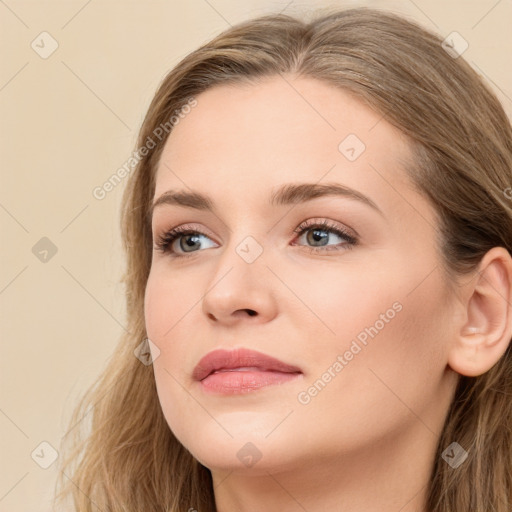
(317, 237)
(190, 240)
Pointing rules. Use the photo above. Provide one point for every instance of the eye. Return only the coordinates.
(319, 232)
(187, 239)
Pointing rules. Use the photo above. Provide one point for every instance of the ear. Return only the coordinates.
(487, 330)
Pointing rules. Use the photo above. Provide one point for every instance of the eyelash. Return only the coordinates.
(164, 241)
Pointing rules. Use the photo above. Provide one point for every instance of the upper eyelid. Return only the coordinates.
(310, 221)
(323, 222)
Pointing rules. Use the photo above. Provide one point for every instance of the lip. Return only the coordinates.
(241, 370)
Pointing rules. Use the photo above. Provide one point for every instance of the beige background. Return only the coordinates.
(68, 122)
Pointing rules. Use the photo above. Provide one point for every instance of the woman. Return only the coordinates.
(319, 293)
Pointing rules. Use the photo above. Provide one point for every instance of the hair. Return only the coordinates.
(461, 141)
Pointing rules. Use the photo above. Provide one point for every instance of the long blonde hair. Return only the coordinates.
(124, 456)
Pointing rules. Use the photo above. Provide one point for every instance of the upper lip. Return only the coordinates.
(228, 359)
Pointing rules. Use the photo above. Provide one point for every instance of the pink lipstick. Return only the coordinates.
(241, 371)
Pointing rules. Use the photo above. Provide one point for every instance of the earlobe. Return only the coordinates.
(486, 333)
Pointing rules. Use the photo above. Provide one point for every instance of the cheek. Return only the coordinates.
(336, 305)
(392, 349)
(162, 313)
(153, 304)
(165, 313)
(180, 409)
(168, 299)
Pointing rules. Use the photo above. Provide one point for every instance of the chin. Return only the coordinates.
(248, 449)
(246, 457)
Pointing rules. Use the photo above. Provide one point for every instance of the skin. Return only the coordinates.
(366, 441)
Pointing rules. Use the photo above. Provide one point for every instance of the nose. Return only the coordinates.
(239, 291)
(239, 313)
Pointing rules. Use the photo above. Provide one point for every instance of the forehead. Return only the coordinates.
(249, 137)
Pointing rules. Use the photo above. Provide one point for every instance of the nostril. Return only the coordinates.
(251, 312)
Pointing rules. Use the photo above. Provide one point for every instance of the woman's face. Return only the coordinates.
(365, 316)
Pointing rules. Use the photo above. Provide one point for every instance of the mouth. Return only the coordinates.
(241, 371)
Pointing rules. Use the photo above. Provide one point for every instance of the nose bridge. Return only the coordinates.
(240, 279)
(245, 241)
(241, 260)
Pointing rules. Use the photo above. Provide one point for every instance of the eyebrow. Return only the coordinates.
(290, 193)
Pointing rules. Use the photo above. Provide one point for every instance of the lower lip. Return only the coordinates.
(234, 382)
